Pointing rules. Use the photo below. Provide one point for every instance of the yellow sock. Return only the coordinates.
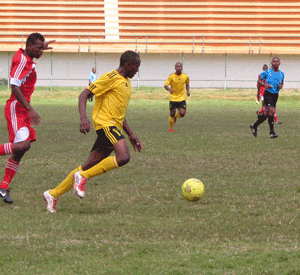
(102, 167)
(171, 122)
(178, 115)
(66, 185)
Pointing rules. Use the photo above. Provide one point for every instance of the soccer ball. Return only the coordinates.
(192, 189)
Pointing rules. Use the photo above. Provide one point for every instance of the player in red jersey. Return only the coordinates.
(260, 97)
(19, 113)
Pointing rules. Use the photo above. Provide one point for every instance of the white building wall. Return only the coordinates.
(204, 70)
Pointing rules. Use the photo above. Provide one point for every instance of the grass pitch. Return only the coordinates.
(134, 220)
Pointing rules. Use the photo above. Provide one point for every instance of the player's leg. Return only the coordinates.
(20, 145)
(172, 116)
(276, 118)
(261, 118)
(182, 109)
(51, 196)
(272, 106)
(271, 122)
(94, 158)
(122, 157)
(261, 110)
(181, 113)
(261, 98)
(268, 102)
(109, 139)
(7, 148)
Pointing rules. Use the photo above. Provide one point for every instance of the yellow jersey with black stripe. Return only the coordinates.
(112, 93)
(177, 83)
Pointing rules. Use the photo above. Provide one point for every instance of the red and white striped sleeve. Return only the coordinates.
(20, 68)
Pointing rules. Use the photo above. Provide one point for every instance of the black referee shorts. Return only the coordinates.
(270, 99)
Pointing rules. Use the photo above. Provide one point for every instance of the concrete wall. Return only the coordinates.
(204, 70)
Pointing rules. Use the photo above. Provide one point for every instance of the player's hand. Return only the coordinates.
(47, 43)
(188, 93)
(268, 86)
(280, 86)
(171, 91)
(35, 117)
(85, 126)
(135, 143)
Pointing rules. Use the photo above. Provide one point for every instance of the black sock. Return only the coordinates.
(271, 123)
(260, 120)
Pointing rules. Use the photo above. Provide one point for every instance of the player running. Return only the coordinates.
(274, 83)
(177, 81)
(260, 97)
(18, 112)
(112, 93)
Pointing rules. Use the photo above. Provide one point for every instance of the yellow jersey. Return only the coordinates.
(177, 83)
(112, 93)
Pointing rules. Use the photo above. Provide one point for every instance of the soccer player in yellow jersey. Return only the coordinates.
(112, 92)
(178, 81)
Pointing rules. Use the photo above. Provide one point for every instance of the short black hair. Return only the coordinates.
(32, 38)
(128, 56)
(275, 57)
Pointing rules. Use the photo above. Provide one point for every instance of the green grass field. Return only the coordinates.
(134, 220)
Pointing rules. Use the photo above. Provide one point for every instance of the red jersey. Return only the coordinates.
(22, 74)
(261, 88)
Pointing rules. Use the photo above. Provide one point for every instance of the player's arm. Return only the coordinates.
(262, 83)
(258, 87)
(132, 138)
(280, 86)
(167, 84)
(169, 89)
(85, 124)
(34, 116)
(187, 87)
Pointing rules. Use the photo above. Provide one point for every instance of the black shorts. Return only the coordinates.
(270, 99)
(107, 138)
(177, 105)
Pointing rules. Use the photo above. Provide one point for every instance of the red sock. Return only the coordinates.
(275, 117)
(6, 149)
(262, 110)
(10, 170)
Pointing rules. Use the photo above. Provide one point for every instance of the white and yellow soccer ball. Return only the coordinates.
(192, 189)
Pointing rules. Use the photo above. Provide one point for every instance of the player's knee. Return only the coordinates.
(271, 112)
(26, 145)
(22, 146)
(123, 160)
(182, 113)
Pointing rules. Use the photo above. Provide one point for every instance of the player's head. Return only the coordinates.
(94, 70)
(130, 62)
(35, 45)
(178, 67)
(275, 62)
(265, 67)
